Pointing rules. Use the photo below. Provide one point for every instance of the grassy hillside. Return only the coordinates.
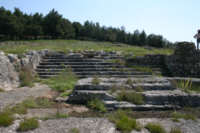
(19, 47)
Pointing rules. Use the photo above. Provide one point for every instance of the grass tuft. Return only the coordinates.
(65, 81)
(133, 97)
(97, 105)
(123, 122)
(176, 116)
(74, 130)
(96, 81)
(28, 124)
(6, 119)
(155, 128)
(175, 130)
(1, 90)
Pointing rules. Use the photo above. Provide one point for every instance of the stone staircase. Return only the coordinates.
(87, 65)
(158, 94)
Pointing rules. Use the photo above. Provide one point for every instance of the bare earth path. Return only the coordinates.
(20, 94)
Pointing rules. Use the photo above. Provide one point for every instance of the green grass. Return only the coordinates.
(133, 97)
(28, 124)
(63, 82)
(176, 130)
(176, 116)
(142, 69)
(1, 90)
(155, 128)
(19, 47)
(6, 118)
(124, 122)
(97, 105)
(74, 130)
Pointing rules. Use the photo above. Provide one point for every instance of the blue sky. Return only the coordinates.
(176, 20)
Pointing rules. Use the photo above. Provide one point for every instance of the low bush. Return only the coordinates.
(6, 119)
(74, 130)
(65, 81)
(123, 122)
(155, 128)
(28, 124)
(133, 97)
(176, 116)
(26, 77)
(97, 105)
(176, 130)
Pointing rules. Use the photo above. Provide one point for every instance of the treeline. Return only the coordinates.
(20, 26)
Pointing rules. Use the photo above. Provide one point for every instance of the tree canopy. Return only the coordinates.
(18, 25)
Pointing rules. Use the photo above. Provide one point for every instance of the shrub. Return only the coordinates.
(26, 77)
(96, 81)
(65, 81)
(28, 124)
(176, 116)
(133, 97)
(1, 90)
(74, 130)
(176, 130)
(123, 122)
(97, 105)
(6, 119)
(155, 128)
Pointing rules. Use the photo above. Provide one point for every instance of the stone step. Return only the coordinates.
(114, 105)
(98, 73)
(77, 63)
(108, 76)
(65, 57)
(72, 60)
(148, 83)
(176, 97)
(79, 66)
(91, 69)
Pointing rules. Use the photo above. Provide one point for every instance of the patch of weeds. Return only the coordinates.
(26, 76)
(74, 130)
(113, 89)
(60, 115)
(175, 130)
(97, 105)
(28, 124)
(176, 116)
(65, 81)
(65, 94)
(19, 109)
(133, 97)
(138, 89)
(123, 122)
(185, 85)
(155, 128)
(6, 118)
(129, 82)
(1, 90)
(96, 80)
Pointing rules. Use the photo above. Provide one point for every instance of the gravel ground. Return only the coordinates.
(18, 95)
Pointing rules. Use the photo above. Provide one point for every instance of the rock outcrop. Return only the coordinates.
(8, 75)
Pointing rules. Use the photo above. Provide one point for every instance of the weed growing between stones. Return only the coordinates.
(176, 116)
(63, 82)
(26, 77)
(175, 130)
(74, 130)
(1, 90)
(97, 105)
(28, 124)
(155, 128)
(123, 122)
(96, 80)
(6, 118)
(185, 85)
(133, 97)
